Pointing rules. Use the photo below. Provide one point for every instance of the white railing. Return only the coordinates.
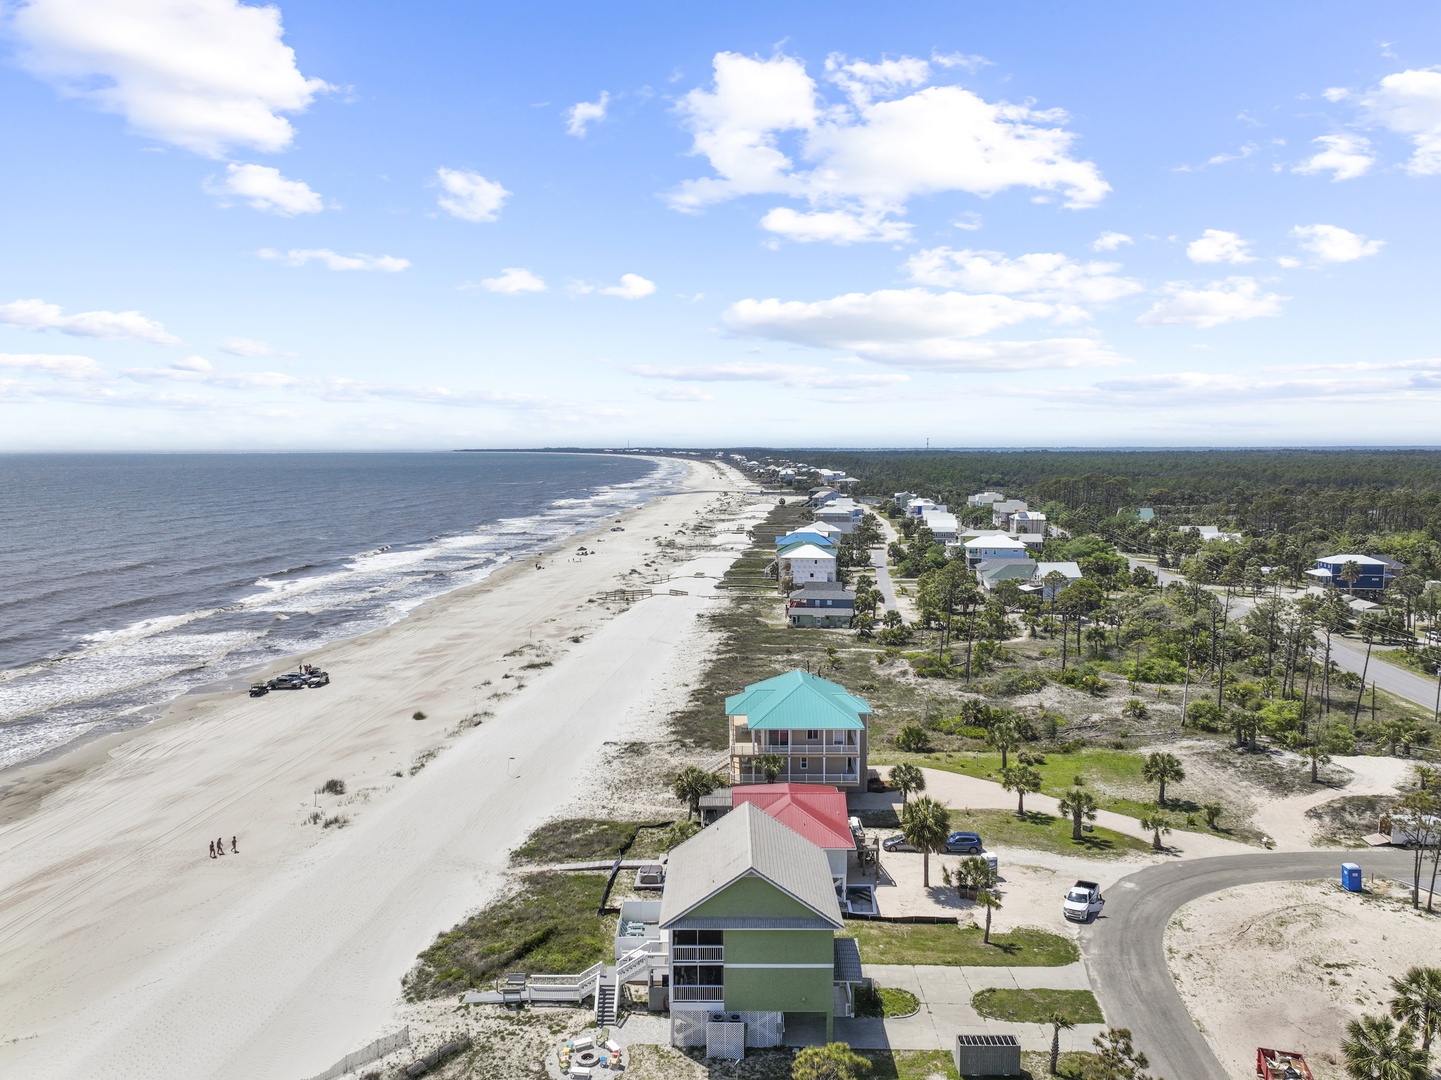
(692, 954)
(697, 993)
(795, 749)
(637, 960)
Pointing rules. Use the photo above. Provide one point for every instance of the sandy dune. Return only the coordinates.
(126, 951)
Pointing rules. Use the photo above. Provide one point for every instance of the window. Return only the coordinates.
(812, 735)
(850, 764)
(805, 764)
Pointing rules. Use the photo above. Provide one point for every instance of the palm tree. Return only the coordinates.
(1003, 735)
(1376, 1049)
(1059, 1022)
(1158, 825)
(1160, 768)
(772, 765)
(1417, 1003)
(691, 785)
(988, 900)
(926, 824)
(1081, 805)
(907, 778)
(1021, 779)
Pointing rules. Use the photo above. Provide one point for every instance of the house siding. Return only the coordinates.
(751, 896)
(781, 990)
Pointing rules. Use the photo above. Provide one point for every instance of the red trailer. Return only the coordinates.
(1281, 1065)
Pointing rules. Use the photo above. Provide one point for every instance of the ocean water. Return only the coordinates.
(129, 579)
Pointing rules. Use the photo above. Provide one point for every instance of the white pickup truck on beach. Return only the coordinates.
(1082, 901)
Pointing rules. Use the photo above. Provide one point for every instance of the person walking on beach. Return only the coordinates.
(212, 849)
(234, 847)
(220, 846)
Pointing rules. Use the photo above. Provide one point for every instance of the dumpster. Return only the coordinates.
(1350, 877)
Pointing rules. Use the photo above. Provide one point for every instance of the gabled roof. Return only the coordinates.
(797, 700)
(748, 842)
(804, 550)
(1360, 560)
(826, 590)
(1070, 569)
(998, 542)
(1007, 569)
(816, 811)
(805, 536)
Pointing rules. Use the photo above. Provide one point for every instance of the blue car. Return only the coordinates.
(967, 843)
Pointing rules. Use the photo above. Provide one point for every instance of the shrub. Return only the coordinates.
(417, 715)
(1134, 707)
(333, 787)
(1205, 715)
(1011, 683)
(913, 739)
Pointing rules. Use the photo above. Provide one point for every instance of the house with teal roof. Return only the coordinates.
(816, 727)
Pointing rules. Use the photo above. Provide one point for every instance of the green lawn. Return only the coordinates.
(549, 927)
(883, 1001)
(960, 946)
(1045, 832)
(1037, 1006)
(1072, 1065)
(1108, 772)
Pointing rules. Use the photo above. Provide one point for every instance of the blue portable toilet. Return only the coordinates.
(1351, 877)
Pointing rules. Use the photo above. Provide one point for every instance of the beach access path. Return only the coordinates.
(126, 952)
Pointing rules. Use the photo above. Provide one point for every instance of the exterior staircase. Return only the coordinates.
(607, 995)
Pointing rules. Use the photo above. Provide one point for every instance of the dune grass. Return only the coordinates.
(1037, 1006)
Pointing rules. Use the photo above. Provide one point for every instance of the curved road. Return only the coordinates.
(1126, 955)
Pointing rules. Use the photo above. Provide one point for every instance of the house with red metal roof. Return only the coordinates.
(817, 812)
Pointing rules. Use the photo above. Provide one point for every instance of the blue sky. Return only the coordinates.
(407, 226)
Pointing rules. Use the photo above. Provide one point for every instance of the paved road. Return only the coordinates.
(1126, 953)
(1351, 656)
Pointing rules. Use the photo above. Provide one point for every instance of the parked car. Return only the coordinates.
(259, 689)
(1082, 901)
(967, 843)
(897, 843)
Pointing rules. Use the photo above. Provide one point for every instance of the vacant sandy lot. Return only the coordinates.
(1287, 965)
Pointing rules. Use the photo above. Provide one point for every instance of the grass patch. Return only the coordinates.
(586, 839)
(1071, 1066)
(548, 927)
(1036, 1006)
(959, 946)
(885, 1001)
(1045, 832)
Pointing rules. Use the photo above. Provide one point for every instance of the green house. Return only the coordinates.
(751, 914)
(816, 727)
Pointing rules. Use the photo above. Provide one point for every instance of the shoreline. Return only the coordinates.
(20, 781)
(125, 951)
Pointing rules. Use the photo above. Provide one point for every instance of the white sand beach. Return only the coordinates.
(125, 951)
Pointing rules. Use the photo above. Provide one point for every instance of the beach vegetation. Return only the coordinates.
(417, 715)
(548, 926)
(585, 839)
(691, 785)
(834, 1061)
(332, 787)
(338, 821)
(1038, 1006)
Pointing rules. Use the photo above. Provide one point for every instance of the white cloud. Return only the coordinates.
(206, 75)
(1289, 262)
(584, 113)
(514, 280)
(681, 393)
(193, 363)
(470, 196)
(868, 157)
(263, 188)
(300, 256)
(631, 287)
(1205, 306)
(239, 346)
(1409, 103)
(1110, 241)
(59, 365)
(1218, 245)
(1241, 154)
(1335, 93)
(834, 226)
(1333, 244)
(1346, 156)
(1039, 276)
(918, 328)
(38, 315)
(798, 376)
